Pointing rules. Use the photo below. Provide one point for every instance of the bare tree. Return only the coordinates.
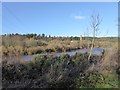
(95, 22)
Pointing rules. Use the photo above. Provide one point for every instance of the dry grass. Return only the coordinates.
(110, 60)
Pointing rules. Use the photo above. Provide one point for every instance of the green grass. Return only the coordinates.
(111, 81)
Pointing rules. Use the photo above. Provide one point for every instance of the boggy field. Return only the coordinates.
(28, 44)
(64, 71)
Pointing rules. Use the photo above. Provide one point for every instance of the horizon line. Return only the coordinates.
(57, 35)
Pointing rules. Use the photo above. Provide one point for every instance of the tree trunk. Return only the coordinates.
(92, 46)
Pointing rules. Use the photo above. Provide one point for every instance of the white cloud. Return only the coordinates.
(79, 17)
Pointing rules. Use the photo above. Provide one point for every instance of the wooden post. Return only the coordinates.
(81, 41)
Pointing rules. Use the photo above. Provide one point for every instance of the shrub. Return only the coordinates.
(39, 59)
(52, 72)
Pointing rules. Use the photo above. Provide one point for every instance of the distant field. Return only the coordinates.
(15, 44)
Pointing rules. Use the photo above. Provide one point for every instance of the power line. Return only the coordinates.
(17, 19)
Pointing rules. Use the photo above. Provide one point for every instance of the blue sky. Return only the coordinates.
(58, 19)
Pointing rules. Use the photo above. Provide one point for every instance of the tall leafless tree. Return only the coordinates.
(95, 22)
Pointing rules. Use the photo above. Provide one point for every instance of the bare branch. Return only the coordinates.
(95, 22)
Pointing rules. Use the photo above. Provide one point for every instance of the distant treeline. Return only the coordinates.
(41, 36)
